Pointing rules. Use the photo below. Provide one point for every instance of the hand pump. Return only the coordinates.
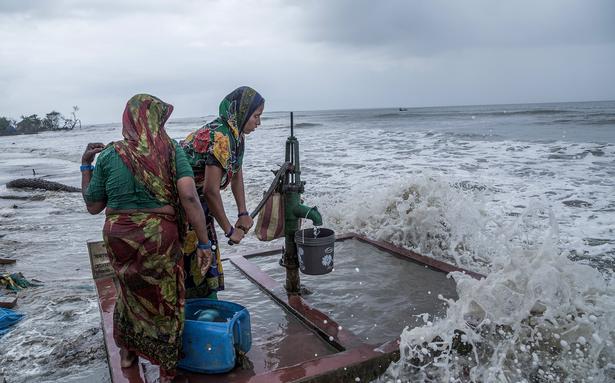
(292, 187)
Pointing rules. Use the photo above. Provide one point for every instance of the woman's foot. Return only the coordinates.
(127, 358)
(165, 377)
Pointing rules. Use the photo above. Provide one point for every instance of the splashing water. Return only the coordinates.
(425, 214)
(536, 317)
(539, 317)
(316, 231)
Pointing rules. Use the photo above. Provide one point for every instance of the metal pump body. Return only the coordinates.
(292, 187)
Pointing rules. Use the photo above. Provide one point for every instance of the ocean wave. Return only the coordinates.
(517, 324)
(448, 113)
(530, 112)
(396, 115)
(475, 136)
(428, 215)
(606, 121)
(576, 156)
(306, 124)
(536, 316)
(300, 125)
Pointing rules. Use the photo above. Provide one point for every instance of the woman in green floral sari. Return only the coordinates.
(215, 153)
(147, 187)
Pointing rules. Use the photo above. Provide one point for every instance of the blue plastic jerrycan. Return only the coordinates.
(212, 331)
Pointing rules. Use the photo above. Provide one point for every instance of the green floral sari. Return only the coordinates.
(219, 143)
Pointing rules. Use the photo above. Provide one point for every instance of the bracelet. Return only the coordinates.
(86, 167)
(204, 246)
(242, 213)
(230, 232)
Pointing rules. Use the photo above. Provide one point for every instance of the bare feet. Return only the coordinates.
(165, 377)
(127, 358)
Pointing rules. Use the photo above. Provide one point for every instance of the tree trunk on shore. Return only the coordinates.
(39, 183)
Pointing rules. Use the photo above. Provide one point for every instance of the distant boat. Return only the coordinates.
(403, 109)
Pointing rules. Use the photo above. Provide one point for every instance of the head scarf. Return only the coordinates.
(147, 150)
(238, 106)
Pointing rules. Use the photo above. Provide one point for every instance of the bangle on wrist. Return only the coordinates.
(204, 245)
(230, 232)
(84, 168)
(242, 213)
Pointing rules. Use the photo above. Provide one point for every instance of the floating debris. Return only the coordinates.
(16, 282)
(39, 183)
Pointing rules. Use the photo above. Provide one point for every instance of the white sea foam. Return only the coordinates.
(536, 317)
(426, 214)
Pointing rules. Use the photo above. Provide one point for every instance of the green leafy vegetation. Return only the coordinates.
(32, 124)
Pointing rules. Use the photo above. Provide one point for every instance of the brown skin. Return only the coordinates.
(244, 222)
(189, 200)
(211, 189)
(254, 121)
(87, 158)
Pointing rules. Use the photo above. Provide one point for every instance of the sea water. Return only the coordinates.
(524, 194)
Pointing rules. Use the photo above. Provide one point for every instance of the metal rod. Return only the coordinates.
(291, 124)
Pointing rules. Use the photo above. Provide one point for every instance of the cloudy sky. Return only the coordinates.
(301, 55)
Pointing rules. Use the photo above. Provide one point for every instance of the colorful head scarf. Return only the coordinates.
(222, 139)
(237, 107)
(147, 150)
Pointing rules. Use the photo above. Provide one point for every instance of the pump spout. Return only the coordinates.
(311, 213)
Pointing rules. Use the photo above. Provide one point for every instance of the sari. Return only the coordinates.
(144, 248)
(219, 143)
(148, 317)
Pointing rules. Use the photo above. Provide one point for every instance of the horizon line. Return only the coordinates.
(382, 107)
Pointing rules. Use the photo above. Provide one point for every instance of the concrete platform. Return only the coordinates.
(298, 343)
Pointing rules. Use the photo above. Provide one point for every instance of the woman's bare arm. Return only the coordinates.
(194, 212)
(192, 206)
(245, 221)
(211, 190)
(87, 158)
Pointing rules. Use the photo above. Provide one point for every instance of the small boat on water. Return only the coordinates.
(403, 109)
(293, 340)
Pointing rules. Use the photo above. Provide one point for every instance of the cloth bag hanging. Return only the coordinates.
(270, 221)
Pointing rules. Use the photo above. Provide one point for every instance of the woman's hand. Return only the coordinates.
(244, 223)
(237, 236)
(90, 152)
(204, 259)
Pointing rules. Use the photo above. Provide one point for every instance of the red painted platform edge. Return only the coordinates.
(411, 255)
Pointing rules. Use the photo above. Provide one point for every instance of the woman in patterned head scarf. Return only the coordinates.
(215, 152)
(147, 187)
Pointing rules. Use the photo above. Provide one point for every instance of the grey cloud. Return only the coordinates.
(419, 27)
(301, 54)
(35, 10)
